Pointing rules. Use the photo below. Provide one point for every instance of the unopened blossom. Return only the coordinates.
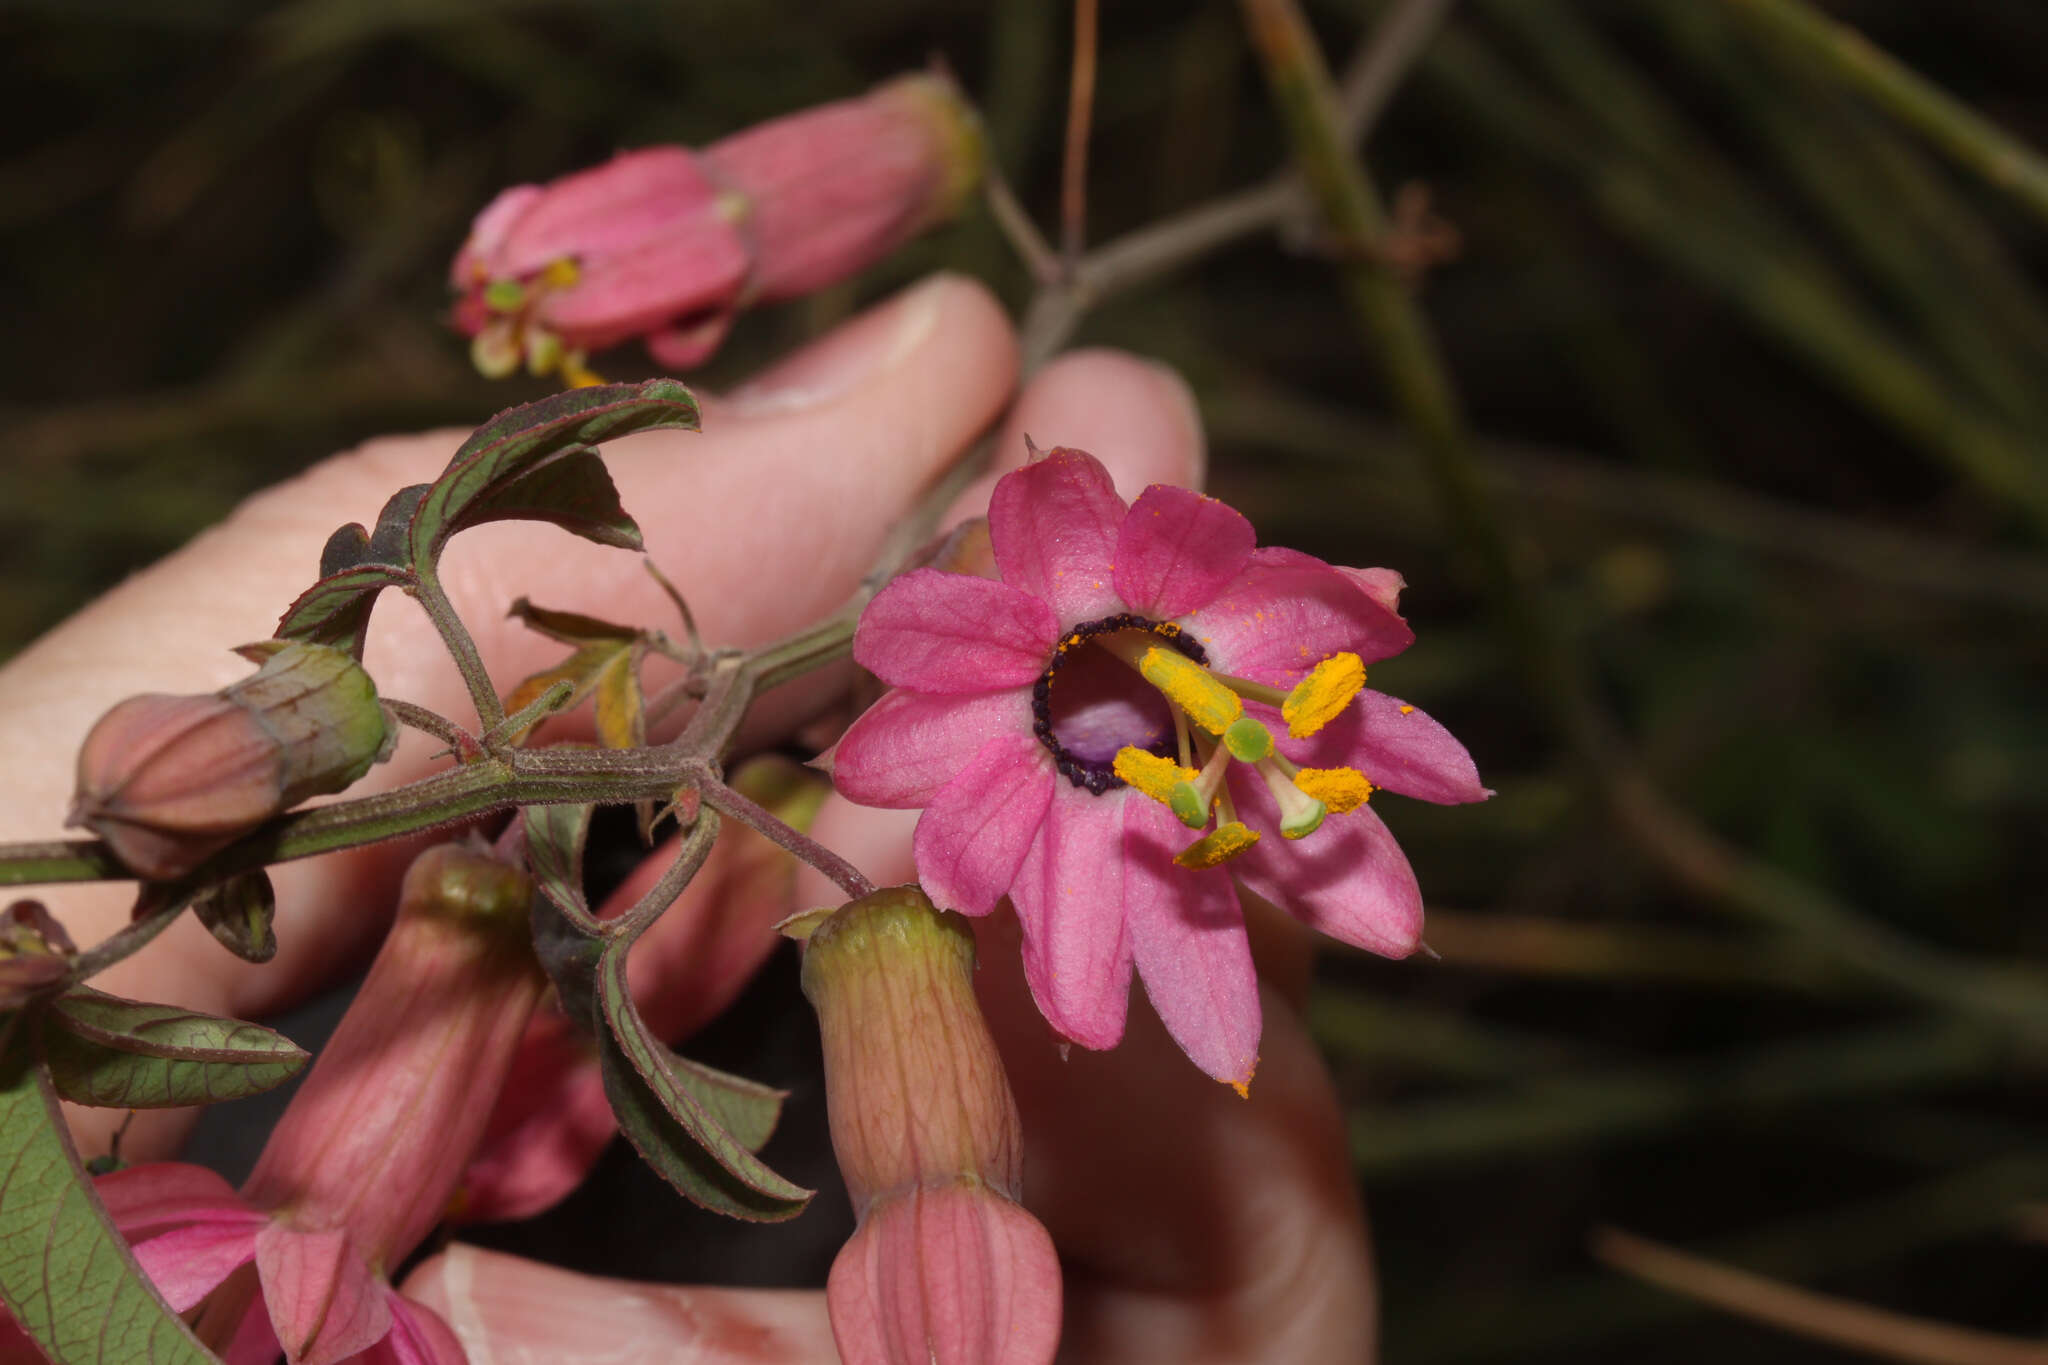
(945, 1266)
(668, 244)
(168, 781)
(1142, 707)
(358, 1170)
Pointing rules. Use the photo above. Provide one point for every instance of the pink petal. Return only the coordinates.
(1188, 939)
(607, 209)
(1070, 901)
(547, 1129)
(1054, 525)
(487, 234)
(1177, 549)
(1397, 747)
(696, 267)
(417, 1337)
(1349, 879)
(1383, 586)
(909, 744)
(146, 1199)
(324, 1302)
(976, 832)
(933, 631)
(688, 346)
(186, 1264)
(1287, 613)
(949, 1276)
(255, 1341)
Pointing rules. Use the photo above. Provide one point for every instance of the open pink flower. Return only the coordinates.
(360, 1167)
(669, 244)
(1136, 673)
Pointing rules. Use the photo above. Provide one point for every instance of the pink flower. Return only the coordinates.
(361, 1165)
(1136, 673)
(945, 1267)
(669, 244)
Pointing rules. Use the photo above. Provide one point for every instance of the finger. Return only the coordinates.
(507, 1308)
(768, 519)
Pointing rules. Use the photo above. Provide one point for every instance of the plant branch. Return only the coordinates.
(1393, 324)
(483, 693)
(765, 822)
(1369, 86)
(1819, 1317)
(1080, 115)
(1970, 139)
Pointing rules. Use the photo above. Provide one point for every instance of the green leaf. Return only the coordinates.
(65, 1273)
(573, 491)
(661, 1115)
(747, 1109)
(336, 610)
(505, 469)
(566, 936)
(126, 1054)
(239, 912)
(570, 627)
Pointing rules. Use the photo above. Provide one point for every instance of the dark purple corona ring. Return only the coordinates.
(1092, 770)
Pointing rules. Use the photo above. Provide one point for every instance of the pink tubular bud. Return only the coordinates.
(945, 1267)
(377, 1137)
(669, 244)
(170, 781)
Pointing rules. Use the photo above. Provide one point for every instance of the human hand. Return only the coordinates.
(1194, 1225)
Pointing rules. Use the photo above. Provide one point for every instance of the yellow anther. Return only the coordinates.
(1341, 789)
(1328, 688)
(1151, 774)
(504, 296)
(1218, 846)
(1187, 684)
(577, 374)
(562, 273)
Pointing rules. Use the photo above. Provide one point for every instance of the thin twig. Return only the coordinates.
(765, 822)
(1080, 115)
(1820, 1317)
(1370, 83)
(1972, 140)
(1022, 234)
(1420, 383)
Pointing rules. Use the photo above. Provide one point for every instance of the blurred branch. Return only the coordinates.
(1822, 1317)
(1528, 472)
(1972, 140)
(1392, 323)
(1735, 249)
(1163, 247)
(1546, 946)
(1080, 115)
(1574, 1311)
(1549, 1112)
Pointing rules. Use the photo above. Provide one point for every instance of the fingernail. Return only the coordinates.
(858, 352)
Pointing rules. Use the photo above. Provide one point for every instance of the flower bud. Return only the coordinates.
(945, 1266)
(669, 244)
(168, 781)
(377, 1136)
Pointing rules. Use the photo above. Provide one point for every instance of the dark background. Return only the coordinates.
(1732, 338)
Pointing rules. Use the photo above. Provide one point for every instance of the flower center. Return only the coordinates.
(1088, 704)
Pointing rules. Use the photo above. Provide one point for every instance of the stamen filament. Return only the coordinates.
(1249, 690)
(1300, 813)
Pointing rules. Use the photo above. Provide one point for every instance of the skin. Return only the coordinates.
(1194, 1226)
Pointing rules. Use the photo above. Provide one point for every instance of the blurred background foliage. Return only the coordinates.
(1760, 382)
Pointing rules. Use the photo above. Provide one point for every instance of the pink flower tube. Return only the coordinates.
(669, 244)
(1138, 676)
(359, 1168)
(945, 1268)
